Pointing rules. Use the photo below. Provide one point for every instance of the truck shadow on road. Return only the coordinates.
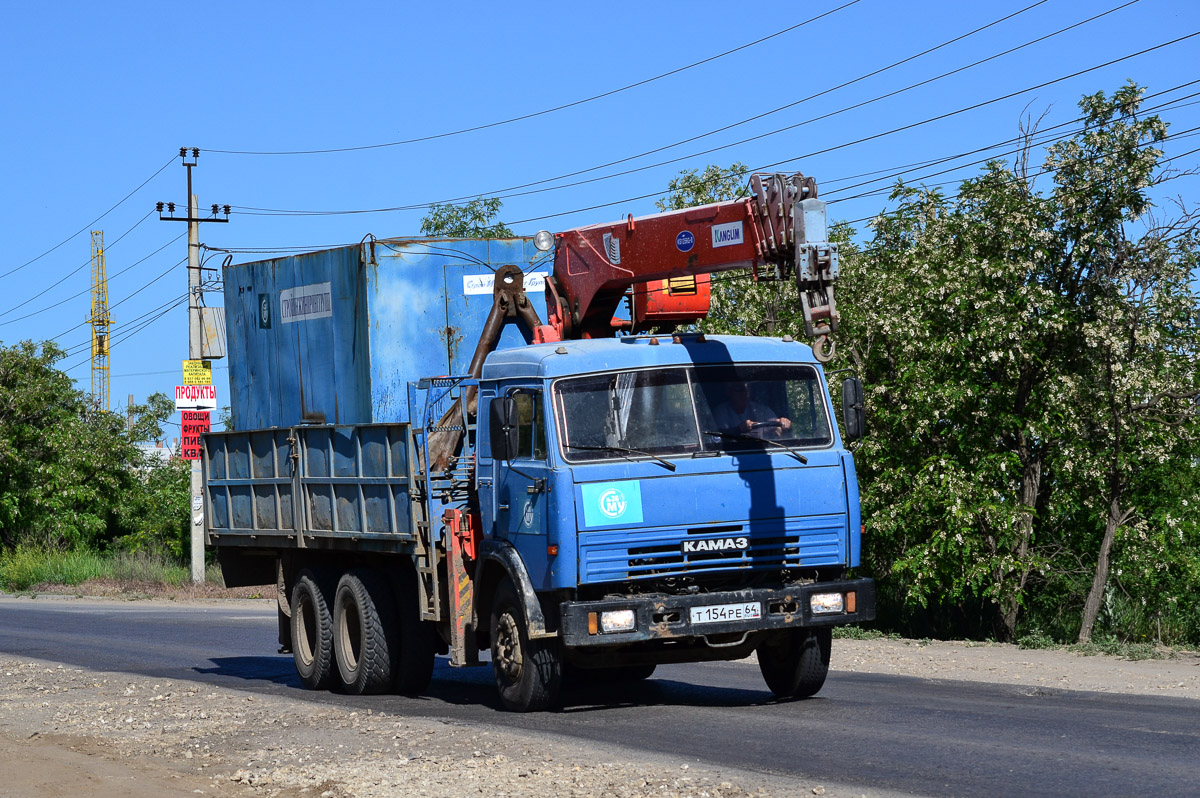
(475, 686)
(276, 670)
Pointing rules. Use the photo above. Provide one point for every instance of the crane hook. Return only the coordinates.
(823, 348)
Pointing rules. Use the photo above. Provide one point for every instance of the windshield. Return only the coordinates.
(689, 410)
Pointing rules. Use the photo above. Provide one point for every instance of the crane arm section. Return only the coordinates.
(781, 225)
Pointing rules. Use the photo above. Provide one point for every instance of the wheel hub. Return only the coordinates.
(508, 648)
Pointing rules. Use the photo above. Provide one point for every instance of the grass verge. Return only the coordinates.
(24, 569)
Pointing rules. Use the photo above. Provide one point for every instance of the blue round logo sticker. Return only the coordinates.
(685, 241)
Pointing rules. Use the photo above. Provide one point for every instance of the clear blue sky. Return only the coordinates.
(99, 97)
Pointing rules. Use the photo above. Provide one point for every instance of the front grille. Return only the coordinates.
(645, 554)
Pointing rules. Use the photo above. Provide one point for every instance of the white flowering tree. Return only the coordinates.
(1031, 361)
(1029, 358)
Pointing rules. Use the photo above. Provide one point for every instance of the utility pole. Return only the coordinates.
(195, 348)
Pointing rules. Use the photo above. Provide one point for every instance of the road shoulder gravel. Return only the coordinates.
(71, 731)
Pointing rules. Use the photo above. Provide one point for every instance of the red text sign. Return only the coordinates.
(194, 423)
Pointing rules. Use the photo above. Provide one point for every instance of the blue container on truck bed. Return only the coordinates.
(337, 336)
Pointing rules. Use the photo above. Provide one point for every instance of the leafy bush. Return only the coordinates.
(1036, 639)
(858, 632)
(1106, 644)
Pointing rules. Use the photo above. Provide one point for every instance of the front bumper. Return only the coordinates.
(661, 616)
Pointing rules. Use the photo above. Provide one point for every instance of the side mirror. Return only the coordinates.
(502, 427)
(854, 412)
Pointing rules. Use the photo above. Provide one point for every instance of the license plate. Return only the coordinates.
(727, 612)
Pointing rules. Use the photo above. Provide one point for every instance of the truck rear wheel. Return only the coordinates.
(794, 662)
(528, 672)
(312, 631)
(364, 633)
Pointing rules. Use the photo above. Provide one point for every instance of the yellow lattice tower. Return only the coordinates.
(99, 321)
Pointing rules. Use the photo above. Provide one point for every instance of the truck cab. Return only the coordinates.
(671, 498)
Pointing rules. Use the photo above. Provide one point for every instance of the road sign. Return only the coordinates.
(197, 372)
(194, 423)
(195, 397)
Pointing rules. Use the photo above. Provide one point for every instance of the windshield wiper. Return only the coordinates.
(667, 464)
(737, 436)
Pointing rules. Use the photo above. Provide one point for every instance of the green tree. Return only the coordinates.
(1029, 358)
(153, 515)
(71, 475)
(715, 184)
(63, 463)
(474, 219)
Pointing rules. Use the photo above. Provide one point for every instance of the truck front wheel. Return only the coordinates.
(528, 672)
(794, 662)
(312, 630)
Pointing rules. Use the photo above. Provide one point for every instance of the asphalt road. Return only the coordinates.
(921, 736)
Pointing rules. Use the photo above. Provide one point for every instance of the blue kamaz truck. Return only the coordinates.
(460, 446)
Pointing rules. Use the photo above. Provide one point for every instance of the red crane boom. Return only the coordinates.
(781, 225)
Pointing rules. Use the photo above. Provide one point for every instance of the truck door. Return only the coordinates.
(521, 484)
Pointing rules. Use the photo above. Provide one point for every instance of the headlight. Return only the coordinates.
(543, 240)
(618, 621)
(826, 603)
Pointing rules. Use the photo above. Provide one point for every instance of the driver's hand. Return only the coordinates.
(747, 425)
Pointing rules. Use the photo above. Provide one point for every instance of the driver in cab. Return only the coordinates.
(740, 415)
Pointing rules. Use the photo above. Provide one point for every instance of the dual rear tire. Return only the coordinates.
(312, 630)
(360, 634)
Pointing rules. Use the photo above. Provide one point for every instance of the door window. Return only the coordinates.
(531, 427)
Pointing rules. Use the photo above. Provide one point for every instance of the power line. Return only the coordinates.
(73, 272)
(891, 172)
(129, 296)
(546, 110)
(81, 293)
(112, 343)
(171, 304)
(1182, 135)
(892, 131)
(76, 348)
(270, 250)
(157, 373)
(896, 171)
(822, 117)
(168, 270)
(515, 191)
(90, 224)
(1042, 141)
